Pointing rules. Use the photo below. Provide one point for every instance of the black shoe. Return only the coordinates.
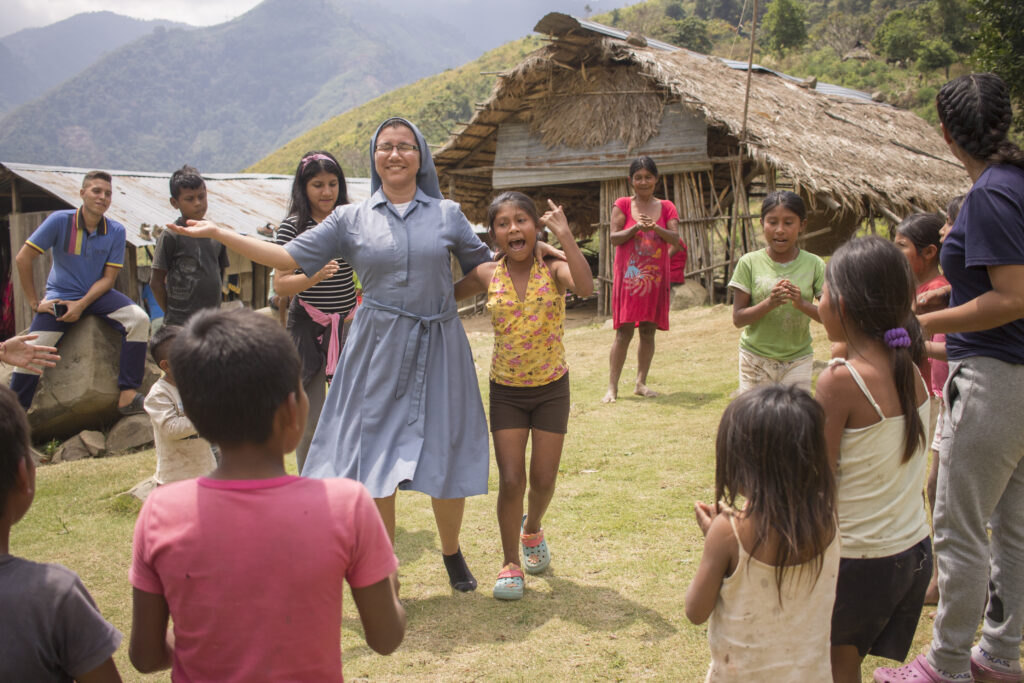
(459, 576)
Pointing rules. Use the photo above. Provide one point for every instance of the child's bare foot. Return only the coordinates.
(645, 391)
(931, 596)
(610, 396)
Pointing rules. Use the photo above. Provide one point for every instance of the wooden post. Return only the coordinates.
(260, 278)
(22, 225)
(604, 252)
(128, 278)
(15, 195)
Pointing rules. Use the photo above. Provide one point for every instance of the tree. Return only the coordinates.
(935, 54)
(842, 32)
(702, 9)
(785, 25)
(674, 10)
(726, 10)
(899, 36)
(1000, 47)
(691, 33)
(952, 20)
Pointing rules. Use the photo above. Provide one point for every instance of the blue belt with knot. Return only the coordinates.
(416, 347)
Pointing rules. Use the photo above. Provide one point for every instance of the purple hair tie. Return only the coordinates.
(897, 338)
(315, 157)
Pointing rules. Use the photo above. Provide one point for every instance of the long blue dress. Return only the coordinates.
(404, 409)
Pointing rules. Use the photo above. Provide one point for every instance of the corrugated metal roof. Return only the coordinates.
(241, 201)
(557, 23)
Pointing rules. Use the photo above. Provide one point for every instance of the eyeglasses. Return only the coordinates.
(402, 147)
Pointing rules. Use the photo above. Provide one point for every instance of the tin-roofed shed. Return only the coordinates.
(241, 201)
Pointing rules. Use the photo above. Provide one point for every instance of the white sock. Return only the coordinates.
(1005, 665)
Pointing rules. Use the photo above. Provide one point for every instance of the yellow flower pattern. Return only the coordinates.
(528, 350)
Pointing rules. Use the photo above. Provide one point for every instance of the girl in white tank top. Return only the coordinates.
(876, 405)
(767, 577)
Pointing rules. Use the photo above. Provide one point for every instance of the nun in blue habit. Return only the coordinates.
(404, 409)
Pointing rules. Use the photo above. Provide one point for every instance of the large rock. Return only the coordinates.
(71, 450)
(687, 295)
(95, 442)
(81, 392)
(143, 489)
(129, 433)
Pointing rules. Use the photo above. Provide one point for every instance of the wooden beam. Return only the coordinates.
(889, 214)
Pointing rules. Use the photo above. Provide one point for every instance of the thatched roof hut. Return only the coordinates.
(567, 121)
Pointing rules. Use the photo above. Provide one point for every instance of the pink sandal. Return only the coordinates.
(536, 556)
(509, 585)
(918, 671)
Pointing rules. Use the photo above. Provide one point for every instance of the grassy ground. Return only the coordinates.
(620, 527)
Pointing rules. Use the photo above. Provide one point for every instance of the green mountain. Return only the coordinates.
(221, 97)
(838, 41)
(435, 104)
(34, 60)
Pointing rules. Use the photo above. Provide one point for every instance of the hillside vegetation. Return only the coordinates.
(901, 50)
(436, 104)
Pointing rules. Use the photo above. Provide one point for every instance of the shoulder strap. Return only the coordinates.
(736, 534)
(860, 383)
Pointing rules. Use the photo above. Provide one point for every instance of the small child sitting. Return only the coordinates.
(50, 629)
(248, 561)
(188, 272)
(180, 452)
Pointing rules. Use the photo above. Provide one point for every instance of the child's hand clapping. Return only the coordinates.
(705, 515)
(327, 272)
(780, 293)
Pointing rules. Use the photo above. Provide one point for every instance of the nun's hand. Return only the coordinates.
(193, 228)
(544, 250)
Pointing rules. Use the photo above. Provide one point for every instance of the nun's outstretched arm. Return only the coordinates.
(256, 250)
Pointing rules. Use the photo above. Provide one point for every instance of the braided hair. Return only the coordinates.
(975, 110)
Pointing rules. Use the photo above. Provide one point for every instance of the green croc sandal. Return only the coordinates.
(536, 556)
(509, 585)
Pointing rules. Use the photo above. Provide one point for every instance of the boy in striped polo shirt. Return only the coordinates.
(88, 252)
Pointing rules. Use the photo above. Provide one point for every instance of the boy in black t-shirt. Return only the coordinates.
(187, 272)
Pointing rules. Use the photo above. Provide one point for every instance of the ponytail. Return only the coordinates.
(904, 360)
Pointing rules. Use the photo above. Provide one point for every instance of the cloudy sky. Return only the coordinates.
(18, 14)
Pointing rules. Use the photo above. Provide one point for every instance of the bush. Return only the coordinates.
(935, 54)
(691, 33)
(899, 36)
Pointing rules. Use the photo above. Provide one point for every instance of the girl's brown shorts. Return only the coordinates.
(545, 407)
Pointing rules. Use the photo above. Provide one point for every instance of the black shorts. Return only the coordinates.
(879, 600)
(545, 407)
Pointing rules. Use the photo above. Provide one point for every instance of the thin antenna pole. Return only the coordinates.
(750, 66)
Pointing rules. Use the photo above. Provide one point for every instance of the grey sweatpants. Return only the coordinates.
(981, 483)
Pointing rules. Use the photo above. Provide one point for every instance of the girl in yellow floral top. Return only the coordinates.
(529, 378)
